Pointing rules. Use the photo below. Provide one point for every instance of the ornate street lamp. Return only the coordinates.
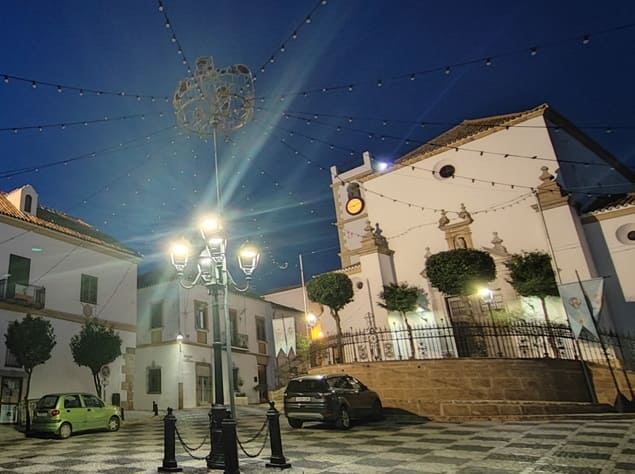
(487, 296)
(213, 99)
(207, 266)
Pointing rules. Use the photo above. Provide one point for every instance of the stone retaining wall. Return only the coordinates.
(449, 387)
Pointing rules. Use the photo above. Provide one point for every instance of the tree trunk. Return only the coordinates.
(340, 350)
(410, 338)
(26, 402)
(552, 339)
(97, 383)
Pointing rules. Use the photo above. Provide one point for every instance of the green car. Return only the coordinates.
(65, 413)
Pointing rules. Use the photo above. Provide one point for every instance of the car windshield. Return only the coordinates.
(307, 385)
(49, 401)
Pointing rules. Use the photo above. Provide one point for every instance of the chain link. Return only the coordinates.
(264, 443)
(188, 448)
(257, 434)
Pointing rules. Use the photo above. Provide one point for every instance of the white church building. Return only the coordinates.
(525, 181)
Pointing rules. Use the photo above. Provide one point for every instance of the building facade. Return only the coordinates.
(174, 359)
(526, 181)
(59, 268)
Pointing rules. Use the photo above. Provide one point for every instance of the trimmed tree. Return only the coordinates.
(334, 290)
(403, 299)
(531, 274)
(460, 272)
(95, 346)
(31, 342)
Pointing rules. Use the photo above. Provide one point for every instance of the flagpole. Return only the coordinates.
(308, 330)
(620, 400)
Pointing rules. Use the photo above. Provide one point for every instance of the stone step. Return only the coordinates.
(471, 410)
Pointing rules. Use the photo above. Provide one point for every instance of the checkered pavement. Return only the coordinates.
(399, 444)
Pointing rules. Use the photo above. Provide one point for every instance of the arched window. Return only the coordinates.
(28, 202)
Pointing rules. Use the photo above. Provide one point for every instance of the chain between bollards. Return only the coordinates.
(169, 454)
(277, 458)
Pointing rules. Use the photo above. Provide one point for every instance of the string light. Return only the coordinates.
(35, 83)
(481, 60)
(174, 39)
(294, 35)
(63, 125)
(83, 156)
(439, 123)
(449, 146)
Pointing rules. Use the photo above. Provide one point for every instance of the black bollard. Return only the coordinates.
(277, 458)
(216, 457)
(169, 457)
(230, 446)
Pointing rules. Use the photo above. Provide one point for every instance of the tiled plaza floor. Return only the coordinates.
(400, 445)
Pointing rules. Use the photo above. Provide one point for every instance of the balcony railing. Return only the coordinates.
(26, 295)
(240, 340)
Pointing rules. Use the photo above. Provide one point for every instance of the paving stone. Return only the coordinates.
(570, 447)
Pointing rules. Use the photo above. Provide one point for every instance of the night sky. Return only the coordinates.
(350, 75)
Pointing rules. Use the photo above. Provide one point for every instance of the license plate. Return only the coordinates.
(302, 399)
(42, 413)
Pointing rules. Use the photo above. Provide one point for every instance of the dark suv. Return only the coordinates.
(332, 398)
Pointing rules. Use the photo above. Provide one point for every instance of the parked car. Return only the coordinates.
(65, 413)
(330, 398)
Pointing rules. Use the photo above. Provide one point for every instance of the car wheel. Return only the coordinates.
(343, 421)
(65, 431)
(377, 411)
(294, 423)
(114, 424)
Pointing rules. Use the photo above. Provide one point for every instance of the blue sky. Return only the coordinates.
(143, 180)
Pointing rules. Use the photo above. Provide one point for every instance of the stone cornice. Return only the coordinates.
(61, 315)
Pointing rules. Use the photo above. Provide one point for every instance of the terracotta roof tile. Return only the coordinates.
(63, 223)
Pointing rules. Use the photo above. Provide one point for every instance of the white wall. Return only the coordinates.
(58, 268)
(178, 361)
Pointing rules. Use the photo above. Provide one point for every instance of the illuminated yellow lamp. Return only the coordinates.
(248, 258)
(179, 254)
(211, 230)
(485, 293)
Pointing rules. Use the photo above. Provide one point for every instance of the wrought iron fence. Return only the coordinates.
(518, 340)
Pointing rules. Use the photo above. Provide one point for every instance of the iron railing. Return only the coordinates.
(26, 295)
(518, 340)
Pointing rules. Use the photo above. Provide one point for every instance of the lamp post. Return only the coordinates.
(488, 296)
(209, 269)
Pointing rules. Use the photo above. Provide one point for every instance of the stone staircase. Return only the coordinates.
(519, 410)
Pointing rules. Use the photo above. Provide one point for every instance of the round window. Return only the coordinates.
(626, 233)
(446, 171)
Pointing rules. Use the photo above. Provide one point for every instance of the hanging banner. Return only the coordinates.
(575, 304)
(284, 335)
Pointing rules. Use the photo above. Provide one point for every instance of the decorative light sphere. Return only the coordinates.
(215, 99)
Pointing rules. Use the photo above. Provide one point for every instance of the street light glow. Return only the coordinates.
(179, 254)
(311, 319)
(248, 258)
(211, 230)
(485, 293)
